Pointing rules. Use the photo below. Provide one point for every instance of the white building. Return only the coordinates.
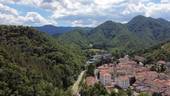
(122, 81)
(105, 78)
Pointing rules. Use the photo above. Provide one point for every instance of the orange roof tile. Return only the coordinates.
(90, 80)
(161, 62)
(123, 77)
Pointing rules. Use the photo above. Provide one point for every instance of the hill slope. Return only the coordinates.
(141, 32)
(156, 53)
(150, 29)
(77, 37)
(32, 63)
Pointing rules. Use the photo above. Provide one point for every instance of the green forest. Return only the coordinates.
(34, 64)
(139, 33)
(156, 53)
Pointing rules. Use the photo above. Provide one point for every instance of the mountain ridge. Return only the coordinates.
(57, 30)
(140, 31)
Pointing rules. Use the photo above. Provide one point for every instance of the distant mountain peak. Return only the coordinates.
(138, 19)
(49, 25)
(107, 24)
(58, 30)
(109, 21)
(145, 20)
(51, 29)
(140, 16)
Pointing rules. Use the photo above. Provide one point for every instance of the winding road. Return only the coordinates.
(76, 87)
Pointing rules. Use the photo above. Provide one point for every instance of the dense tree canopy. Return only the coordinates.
(34, 64)
(96, 90)
(156, 53)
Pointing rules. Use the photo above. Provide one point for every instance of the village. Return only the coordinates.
(127, 73)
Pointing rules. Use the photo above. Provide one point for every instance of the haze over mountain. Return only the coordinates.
(140, 32)
(57, 30)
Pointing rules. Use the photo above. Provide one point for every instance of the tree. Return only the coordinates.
(96, 90)
(144, 94)
(156, 94)
(90, 69)
(35, 64)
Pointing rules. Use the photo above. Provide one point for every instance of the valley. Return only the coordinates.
(84, 48)
(87, 61)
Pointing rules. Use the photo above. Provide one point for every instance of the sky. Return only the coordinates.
(86, 13)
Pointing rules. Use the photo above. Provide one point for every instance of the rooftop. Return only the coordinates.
(161, 62)
(123, 77)
(90, 80)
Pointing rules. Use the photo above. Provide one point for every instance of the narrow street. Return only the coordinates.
(76, 87)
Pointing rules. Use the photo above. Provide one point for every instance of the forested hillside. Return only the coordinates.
(140, 32)
(34, 64)
(77, 37)
(156, 53)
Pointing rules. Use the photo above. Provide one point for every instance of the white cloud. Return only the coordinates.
(30, 18)
(165, 1)
(71, 7)
(81, 23)
(87, 12)
(26, 2)
(34, 17)
(11, 16)
(7, 10)
(8, 19)
(157, 9)
(149, 9)
(134, 8)
(106, 3)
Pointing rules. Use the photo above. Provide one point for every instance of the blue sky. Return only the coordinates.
(79, 12)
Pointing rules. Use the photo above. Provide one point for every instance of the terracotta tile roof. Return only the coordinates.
(123, 77)
(167, 82)
(90, 80)
(104, 72)
(147, 80)
(161, 62)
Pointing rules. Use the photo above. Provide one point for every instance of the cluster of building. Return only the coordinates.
(99, 57)
(127, 73)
